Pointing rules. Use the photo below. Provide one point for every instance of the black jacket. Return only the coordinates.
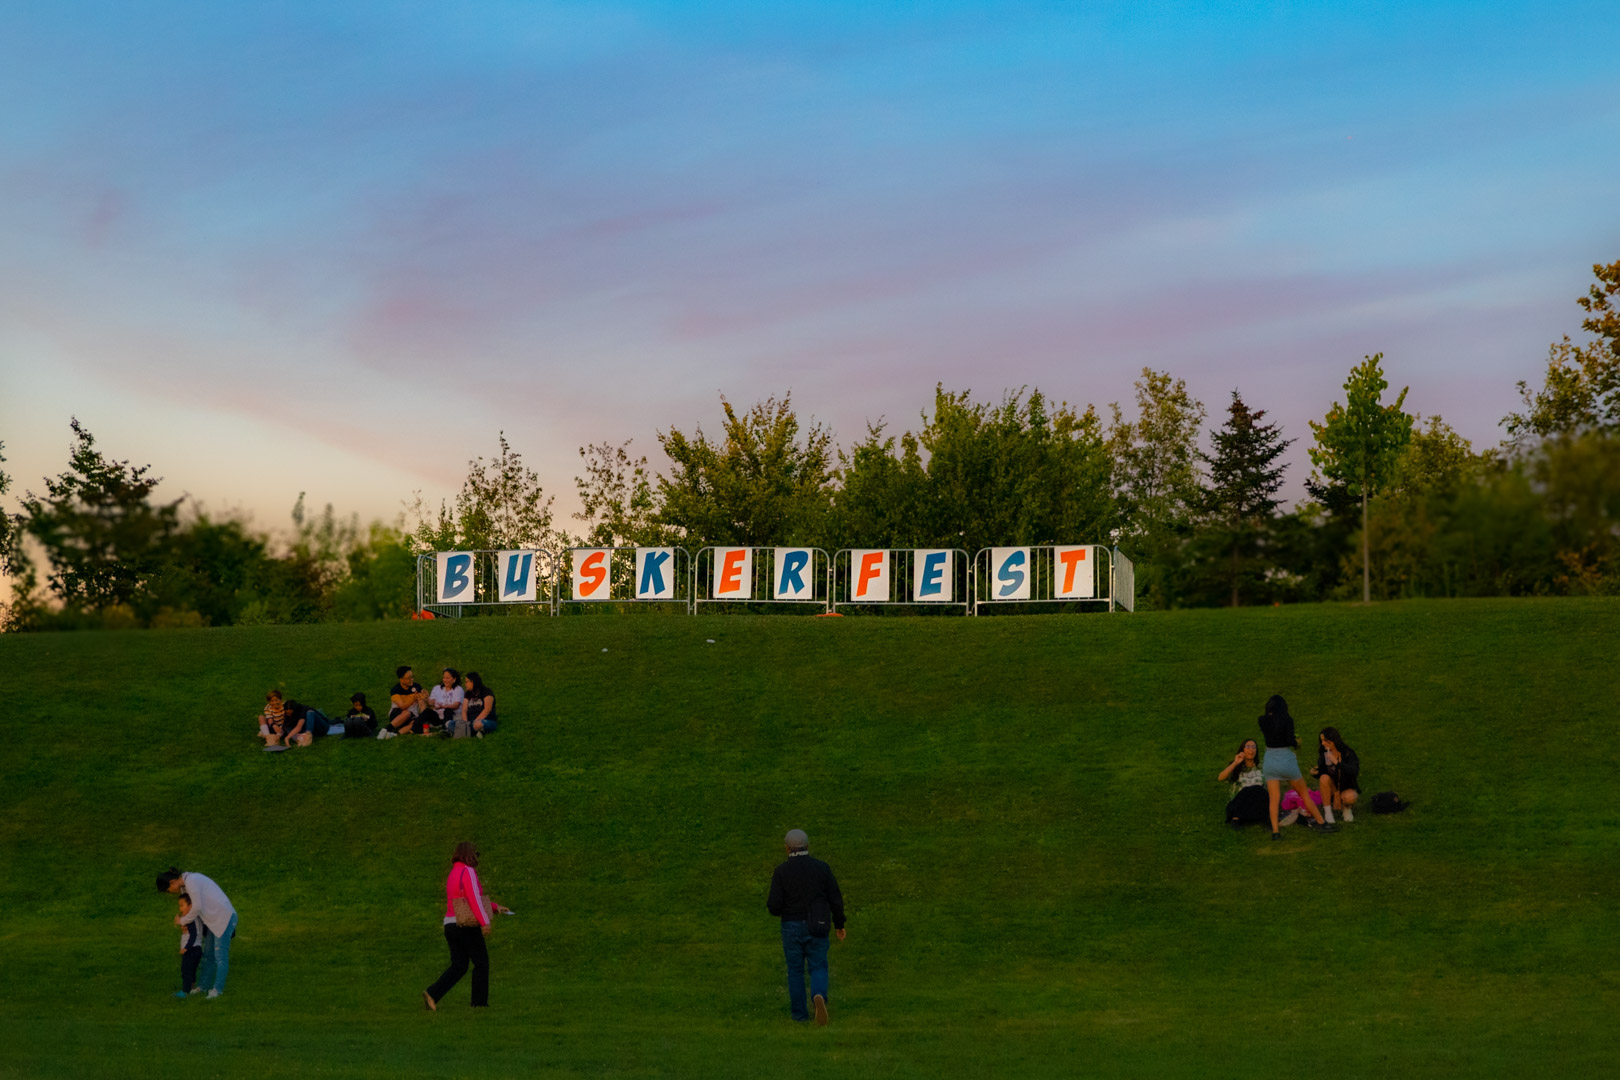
(1349, 764)
(797, 882)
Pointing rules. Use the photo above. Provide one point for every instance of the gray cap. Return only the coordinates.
(796, 840)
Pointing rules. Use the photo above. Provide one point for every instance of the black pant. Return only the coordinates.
(466, 944)
(188, 967)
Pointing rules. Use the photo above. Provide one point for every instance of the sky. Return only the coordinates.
(335, 248)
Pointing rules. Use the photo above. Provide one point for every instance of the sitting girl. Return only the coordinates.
(1248, 804)
(1338, 773)
(361, 722)
(444, 701)
(273, 721)
(479, 707)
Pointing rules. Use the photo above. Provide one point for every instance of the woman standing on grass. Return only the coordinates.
(1338, 772)
(1281, 764)
(466, 925)
(1248, 803)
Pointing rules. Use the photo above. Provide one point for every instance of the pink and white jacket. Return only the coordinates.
(463, 881)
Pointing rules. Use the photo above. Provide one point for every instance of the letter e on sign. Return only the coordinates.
(733, 573)
(931, 578)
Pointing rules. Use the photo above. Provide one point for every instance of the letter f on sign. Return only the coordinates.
(871, 568)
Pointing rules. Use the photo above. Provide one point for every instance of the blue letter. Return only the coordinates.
(1012, 578)
(652, 570)
(793, 564)
(457, 575)
(933, 575)
(517, 575)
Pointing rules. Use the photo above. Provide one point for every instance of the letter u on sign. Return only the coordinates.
(1009, 573)
(733, 573)
(455, 577)
(655, 573)
(592, 573)
(869, 576)
(1074, 572)
(518, 573)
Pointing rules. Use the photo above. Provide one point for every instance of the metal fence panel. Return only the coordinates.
(486, 587)
(625, 575)
(902, 577)
(1043, 574)
(760, 575)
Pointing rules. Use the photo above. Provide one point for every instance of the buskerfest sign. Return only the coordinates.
(1073, 576)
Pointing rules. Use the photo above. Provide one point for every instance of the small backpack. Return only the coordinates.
(1387, 802)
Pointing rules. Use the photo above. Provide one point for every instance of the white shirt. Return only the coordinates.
(208, 903)
(446, 699)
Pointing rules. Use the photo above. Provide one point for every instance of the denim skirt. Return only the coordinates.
(1280, 764)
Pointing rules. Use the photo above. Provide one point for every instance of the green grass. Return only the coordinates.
(1022, 812)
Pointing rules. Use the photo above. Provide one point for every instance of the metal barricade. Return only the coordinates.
(625, 575)
(751, 576)
(1123, 591)
(485, 578)
(1044, 574)
(938, 578)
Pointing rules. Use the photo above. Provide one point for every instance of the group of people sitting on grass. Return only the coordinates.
(460, 706)
(1257, 782)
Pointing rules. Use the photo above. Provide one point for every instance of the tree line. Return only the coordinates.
(1399, 504)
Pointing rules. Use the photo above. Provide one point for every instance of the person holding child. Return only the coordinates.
(211, 908)
(190, 952)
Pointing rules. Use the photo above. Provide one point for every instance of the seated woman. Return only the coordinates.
(1248, 803)
(1338, 773)
(479, 708)
(273, 720)
(444, 702)
(307, 724)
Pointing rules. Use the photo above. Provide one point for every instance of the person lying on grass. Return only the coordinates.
(406, 702)
(307, 724)
(479, 708)
(1281, 765)
(272, 722)
(1248, 803)
(1338, 773)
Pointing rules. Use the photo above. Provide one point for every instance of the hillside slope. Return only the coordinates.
(1022, 812)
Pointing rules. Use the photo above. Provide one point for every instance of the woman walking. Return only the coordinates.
(1281, 764)
(466, 925)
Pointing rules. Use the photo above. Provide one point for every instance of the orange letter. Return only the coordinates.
(731, 571)
(593, 572)
(1070, 560)
(871, 567)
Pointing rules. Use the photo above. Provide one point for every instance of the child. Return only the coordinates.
(190, 950)
(273, 721)
(361, 721)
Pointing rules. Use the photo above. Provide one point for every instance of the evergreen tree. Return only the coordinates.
(1244, 477)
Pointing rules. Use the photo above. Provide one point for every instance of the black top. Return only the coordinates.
(1279, 732)
(1349, 764)
(296, 712)
(401, 690)
(797, 882)
(362, 710)
(475, 707)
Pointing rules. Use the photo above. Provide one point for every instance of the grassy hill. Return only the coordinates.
(1022, 812)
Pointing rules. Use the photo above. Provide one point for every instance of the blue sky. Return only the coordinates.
(335, 248)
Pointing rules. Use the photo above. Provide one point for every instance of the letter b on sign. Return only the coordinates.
(455, 577)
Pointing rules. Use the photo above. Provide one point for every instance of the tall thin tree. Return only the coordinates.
(1244, 478)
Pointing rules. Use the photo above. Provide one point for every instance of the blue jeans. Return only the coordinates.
(799, 949)
(216, 958)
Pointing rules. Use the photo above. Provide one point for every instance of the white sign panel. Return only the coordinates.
(931, 578)
(793, 579)
(869, 575)
(592, 573)
(519, 575)
(1009, 573)
(1074, 572)
(655, 573)
(733, 573)
(455, 577)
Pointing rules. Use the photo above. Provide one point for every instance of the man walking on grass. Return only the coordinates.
(805, 895)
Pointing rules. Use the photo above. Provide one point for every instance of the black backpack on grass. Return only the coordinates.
(1387, 802)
